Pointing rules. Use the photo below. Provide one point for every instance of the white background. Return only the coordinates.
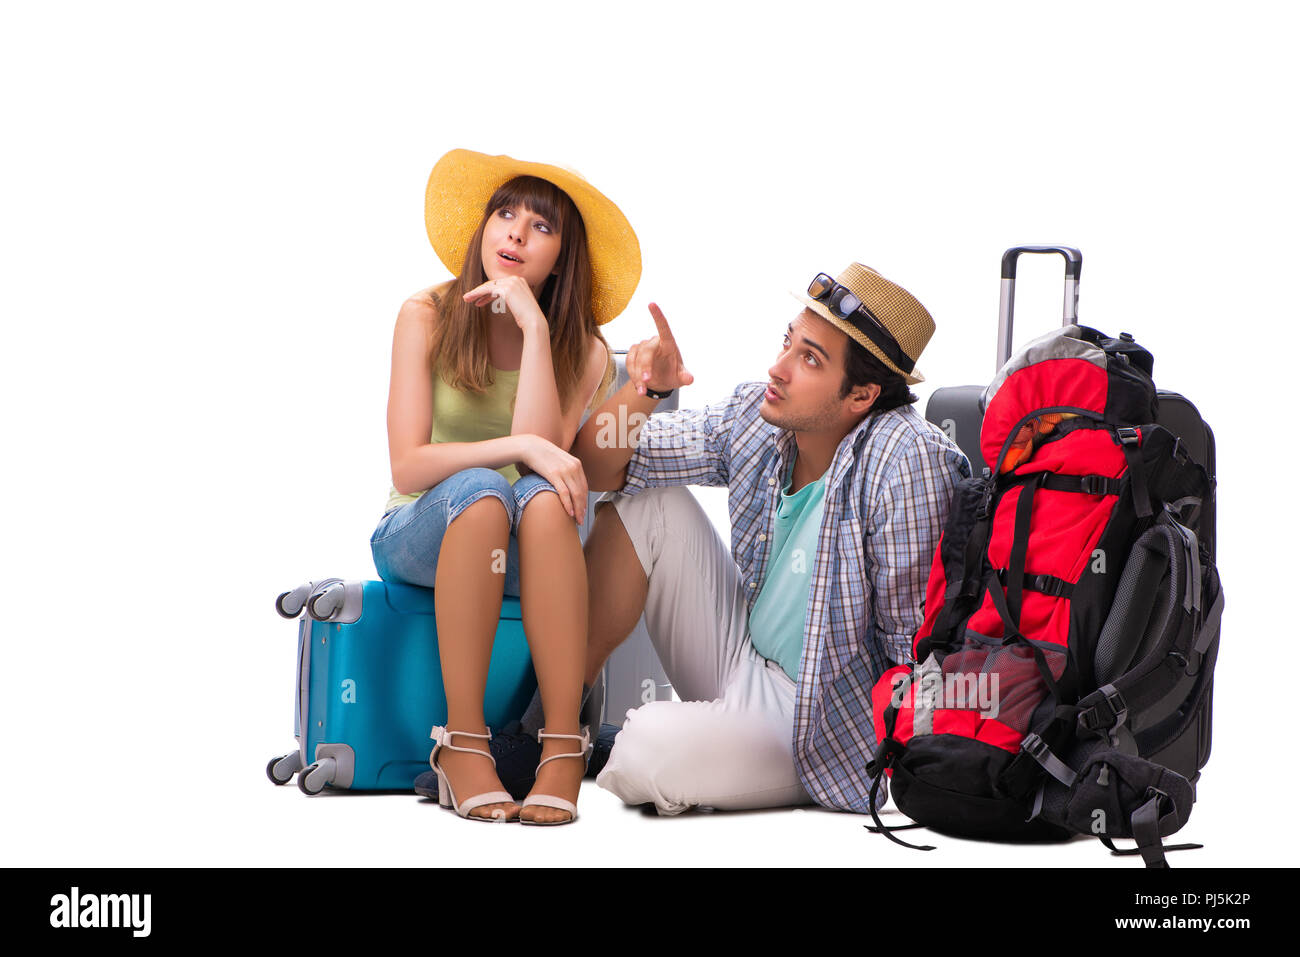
(211, 215)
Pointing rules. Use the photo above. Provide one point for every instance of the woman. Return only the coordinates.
(491, 374)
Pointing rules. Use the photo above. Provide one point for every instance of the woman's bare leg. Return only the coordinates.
(468, 586)
(553, 593)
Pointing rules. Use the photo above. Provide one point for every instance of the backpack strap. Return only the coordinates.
(1020, 547)
(1146, 824)
(1012, 635)
(1087, 484)
(962, 549)
(1130, 440)
(1144, 687)
(886, 754)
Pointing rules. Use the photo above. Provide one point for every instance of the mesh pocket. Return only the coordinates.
(1000, 683)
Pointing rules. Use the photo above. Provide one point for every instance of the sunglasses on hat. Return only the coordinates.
(842, 302)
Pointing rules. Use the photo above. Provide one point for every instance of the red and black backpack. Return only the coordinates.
(1071, 616)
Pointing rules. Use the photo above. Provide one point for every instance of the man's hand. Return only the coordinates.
(656, 363)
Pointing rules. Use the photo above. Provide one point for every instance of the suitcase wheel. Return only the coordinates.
(280, 770)
(326, 603)
(289, 604)
(313, 778)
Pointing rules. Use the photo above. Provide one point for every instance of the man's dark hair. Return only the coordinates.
(862, 368)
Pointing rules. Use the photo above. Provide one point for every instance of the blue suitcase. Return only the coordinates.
(370, 683)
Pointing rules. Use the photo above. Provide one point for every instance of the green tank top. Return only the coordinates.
(465, 417)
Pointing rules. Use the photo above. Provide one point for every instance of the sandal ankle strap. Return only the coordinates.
(584, 738)
(443, 740)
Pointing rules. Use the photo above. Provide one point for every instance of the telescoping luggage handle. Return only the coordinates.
(1007, 304)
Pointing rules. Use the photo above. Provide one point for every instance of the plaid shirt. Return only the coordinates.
(888, 491)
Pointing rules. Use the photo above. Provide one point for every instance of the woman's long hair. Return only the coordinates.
(458, 348)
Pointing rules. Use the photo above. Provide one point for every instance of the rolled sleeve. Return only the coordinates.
(902, 534)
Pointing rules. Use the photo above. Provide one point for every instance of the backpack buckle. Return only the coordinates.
(1127, 435)
(1092, 719)
(1037, 749)
(1180, 453)
(1034, 746)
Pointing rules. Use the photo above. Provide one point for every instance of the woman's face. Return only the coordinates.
(518, 242)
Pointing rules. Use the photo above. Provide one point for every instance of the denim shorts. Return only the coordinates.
(408, 539)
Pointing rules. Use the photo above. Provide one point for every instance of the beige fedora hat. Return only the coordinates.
(463, 181)
(895, 328)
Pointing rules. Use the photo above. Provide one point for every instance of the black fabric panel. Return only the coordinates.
(1143, 602)
(961, 551)
(1182, 741)
(973, 811)
(1094, 593)
(1181, 418)
(1125, 787)
(1130, 393)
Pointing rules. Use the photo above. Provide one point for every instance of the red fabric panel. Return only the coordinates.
(1053, 382)
(968, 724)
(953, 721)
(999, 735)
(934, 589)
(1063, 532)
(1082, 452)
(880, 700)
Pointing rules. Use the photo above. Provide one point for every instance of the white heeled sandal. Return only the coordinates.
(550, 800)
(446, 797)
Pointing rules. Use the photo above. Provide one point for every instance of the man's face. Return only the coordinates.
(803, 391)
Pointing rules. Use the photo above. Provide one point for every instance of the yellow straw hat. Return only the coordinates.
(463, 181)
(906, 323)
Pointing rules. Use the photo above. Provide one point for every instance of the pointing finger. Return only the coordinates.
(661, 323)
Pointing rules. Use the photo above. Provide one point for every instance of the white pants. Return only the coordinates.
(727, 743)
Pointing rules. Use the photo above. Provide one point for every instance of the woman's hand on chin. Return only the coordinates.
(511, 294)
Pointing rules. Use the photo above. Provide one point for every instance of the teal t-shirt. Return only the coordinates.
(776, 624)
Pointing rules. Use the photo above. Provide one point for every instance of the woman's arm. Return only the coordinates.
(416, 463)
(537, 403)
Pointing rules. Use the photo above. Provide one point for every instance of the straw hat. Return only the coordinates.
(463, 181)
(902, 316)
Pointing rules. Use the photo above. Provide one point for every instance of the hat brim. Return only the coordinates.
(463, 181)
(914, 378)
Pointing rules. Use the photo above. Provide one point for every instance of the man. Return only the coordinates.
(838, 491)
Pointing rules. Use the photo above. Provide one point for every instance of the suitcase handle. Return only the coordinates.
(1007, 303)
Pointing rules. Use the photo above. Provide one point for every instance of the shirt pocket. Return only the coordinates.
(849, 586)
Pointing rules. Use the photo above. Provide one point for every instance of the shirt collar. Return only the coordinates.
(845, 454)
